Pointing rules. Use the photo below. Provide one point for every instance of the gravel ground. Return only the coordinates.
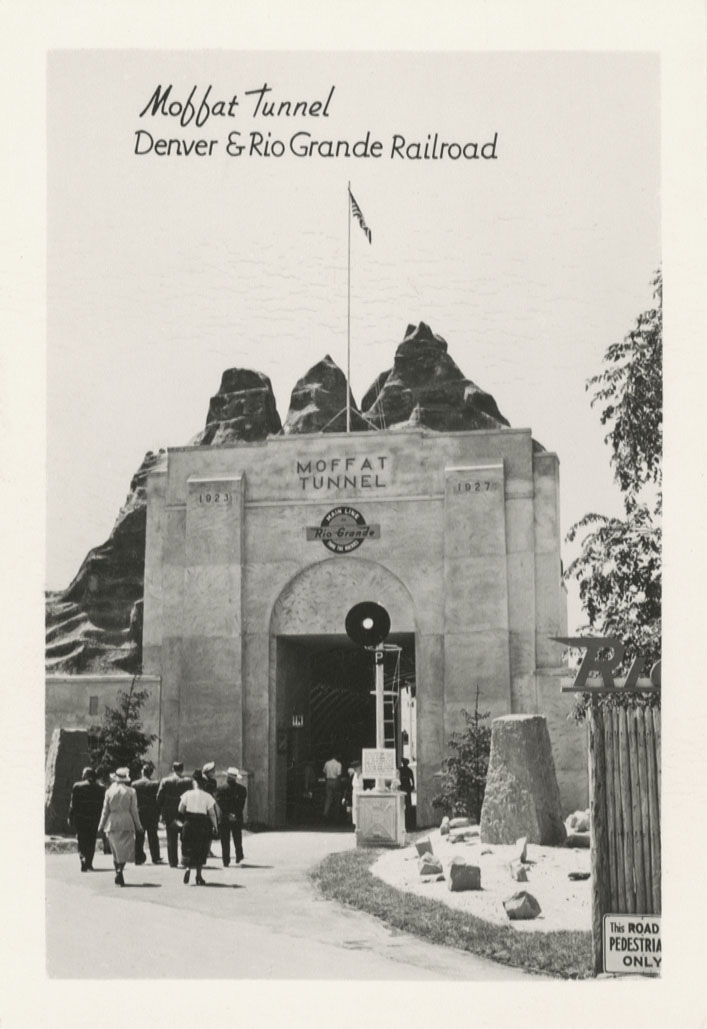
(565, 904)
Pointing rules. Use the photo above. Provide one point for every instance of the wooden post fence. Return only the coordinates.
(624, 783)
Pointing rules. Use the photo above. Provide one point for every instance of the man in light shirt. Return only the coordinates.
(332, 771)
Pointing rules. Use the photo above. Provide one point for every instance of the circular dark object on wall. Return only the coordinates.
(367, 623)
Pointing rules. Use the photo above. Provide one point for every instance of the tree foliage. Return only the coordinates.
(619, 566)
(121, 741)
(464, 771)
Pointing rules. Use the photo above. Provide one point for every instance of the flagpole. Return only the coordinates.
(348, 317)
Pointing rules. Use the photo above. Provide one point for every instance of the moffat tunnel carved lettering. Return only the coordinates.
(343, 472)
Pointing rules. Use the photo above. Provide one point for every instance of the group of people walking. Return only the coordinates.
(196, 808)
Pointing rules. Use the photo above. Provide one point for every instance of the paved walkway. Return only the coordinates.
(261, 919)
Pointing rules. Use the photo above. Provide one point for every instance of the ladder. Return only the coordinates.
(391, 699)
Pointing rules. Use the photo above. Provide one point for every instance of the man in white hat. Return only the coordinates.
(231, 799)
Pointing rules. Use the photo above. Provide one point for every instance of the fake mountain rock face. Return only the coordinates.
(318, 402)
(243, 410)
(95, 625)
(425, 388)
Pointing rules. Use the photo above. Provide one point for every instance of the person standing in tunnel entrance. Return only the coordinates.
(407, 785)
(332, 772)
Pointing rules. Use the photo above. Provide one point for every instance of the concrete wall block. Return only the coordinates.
(214, 521)
(521, 591)
(475, 593)
(212, 596)
(520, 524)
(476, 659)
(546, 488)
(474, 511)
(173, 544)
(212, 658)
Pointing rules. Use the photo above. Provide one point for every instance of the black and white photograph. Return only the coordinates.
(353, 567)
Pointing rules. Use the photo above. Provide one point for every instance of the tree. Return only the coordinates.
(619, 566)
(121, 741)
(464, 771)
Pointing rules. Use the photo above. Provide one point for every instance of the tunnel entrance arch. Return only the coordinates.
(321, 682)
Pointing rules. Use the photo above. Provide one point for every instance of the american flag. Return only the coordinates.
(358, 214)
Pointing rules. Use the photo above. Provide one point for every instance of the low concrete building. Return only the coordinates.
(79, 702)
(256, 552)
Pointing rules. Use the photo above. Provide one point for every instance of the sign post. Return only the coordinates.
(381, 811)
(624, 807)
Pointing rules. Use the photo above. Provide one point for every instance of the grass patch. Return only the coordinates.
(346, 877)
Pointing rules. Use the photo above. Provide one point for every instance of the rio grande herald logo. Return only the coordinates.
(342, 530)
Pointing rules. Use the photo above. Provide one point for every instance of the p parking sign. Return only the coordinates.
(632, 944)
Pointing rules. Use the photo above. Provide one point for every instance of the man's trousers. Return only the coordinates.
(153, 842)
(226, 830)
(86, 842)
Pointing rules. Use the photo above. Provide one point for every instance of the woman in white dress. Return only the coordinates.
(197, 809)
(120, 820)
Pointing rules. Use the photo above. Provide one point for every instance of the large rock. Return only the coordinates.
(521, 905)
(424, 846)
(66, 759)
(243, 410)
(428, 864)
(426, 388)
(318, 402)
(522, 797)
(463, 876)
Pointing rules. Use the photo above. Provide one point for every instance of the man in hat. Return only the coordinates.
(146, 789)
(210, 785)
(169, 794)
(231, 799)
(85, 809)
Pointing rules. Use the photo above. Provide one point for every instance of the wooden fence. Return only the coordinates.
(624, 782)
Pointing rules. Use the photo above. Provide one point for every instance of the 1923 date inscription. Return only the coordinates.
(215, 498)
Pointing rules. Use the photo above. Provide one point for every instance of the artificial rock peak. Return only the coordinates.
(95, 624)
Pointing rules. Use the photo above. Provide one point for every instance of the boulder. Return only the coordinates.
(318, 402)
(460, 822)
(521, 905)
(428, 864)
(66, 758)
(579, 839)
(444, 826)
(424, 846)
(425, 388)
(243, 410)
(522, 797)
(463, 876)
(522, 849)
(518, 871)
(578, 821)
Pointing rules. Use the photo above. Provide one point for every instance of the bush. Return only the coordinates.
(120, 741)
(464, 771)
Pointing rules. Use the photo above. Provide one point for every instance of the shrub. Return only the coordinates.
(464, 770)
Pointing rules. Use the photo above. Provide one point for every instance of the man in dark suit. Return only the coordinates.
(169, 793)
(231, 799)
(85, 810)
(146, 790)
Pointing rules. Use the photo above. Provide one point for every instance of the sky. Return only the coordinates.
(163, 271)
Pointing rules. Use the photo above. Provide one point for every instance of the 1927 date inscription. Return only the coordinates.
(476, 486)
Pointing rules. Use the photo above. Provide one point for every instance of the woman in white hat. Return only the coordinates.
(120, 820)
